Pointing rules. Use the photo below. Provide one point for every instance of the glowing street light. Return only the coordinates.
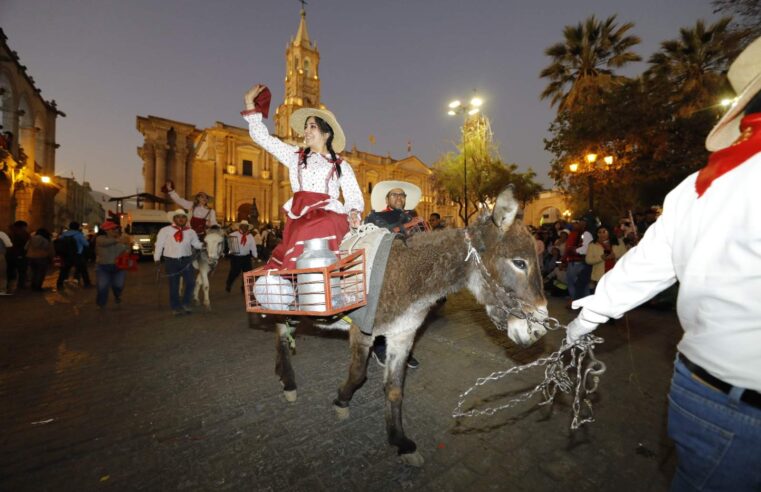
(727, 102)
(574, 167)
(456, 107)
(608, 160)
(45, 179)
(590, 158)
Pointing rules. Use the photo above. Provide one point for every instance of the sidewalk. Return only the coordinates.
(133, 398)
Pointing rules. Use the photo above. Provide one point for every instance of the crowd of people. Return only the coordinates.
(575, 255)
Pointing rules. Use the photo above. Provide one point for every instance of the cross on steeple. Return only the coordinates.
(303, 5)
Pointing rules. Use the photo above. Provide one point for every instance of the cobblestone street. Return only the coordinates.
(133, 398)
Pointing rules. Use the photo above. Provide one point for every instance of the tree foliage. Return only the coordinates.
(747, 13)
(487, 174)
(654, 126)
(583, 63)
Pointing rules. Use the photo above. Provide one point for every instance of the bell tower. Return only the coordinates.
(302, 80)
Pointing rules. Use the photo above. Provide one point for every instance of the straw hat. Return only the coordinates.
(300, 116)
(243, 223)
(745, 77)
(170, 215)
(380, 190)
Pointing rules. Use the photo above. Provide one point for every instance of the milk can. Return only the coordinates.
(311, 286)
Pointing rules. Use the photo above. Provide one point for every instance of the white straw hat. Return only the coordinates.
(745, 77)
(300, 116)
(170, 215)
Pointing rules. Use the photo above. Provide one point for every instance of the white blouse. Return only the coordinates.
(316, 173)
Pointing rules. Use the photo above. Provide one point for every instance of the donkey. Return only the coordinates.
(206, 262)
(425, 268)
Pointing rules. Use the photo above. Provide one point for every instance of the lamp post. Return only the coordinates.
(456, 107)
(119, 203)
(589, 170)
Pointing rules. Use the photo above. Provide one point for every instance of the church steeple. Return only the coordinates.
(302, 36)
(302, 80)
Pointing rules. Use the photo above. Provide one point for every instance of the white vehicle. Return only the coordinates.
(143, 226)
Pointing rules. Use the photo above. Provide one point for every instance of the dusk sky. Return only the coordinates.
(388, 68)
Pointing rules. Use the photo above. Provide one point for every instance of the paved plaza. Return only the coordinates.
(133, 398)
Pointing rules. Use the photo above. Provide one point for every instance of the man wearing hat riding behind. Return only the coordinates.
(390, 201)
(318, 177)
(715, 397)
(175, 244)
(242, 248)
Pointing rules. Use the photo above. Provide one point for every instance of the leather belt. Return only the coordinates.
(750, 397)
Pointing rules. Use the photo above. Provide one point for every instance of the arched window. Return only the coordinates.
(306, 67)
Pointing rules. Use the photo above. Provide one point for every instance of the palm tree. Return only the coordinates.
(583, 63)
(691, 68)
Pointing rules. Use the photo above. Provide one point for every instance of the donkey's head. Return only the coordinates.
(510, 270)
(214, 240)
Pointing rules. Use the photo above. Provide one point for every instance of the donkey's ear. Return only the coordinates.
(505, 209)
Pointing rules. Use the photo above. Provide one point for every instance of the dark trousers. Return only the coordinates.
(80, 263)
(176, 269)
(39, 267)
(17, 266)
(109, 277)
(238, 264)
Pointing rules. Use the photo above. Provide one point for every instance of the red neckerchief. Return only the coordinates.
(178, 234)
(243, 238)
(722, 161)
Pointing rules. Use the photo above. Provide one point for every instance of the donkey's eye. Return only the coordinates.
(520, 264)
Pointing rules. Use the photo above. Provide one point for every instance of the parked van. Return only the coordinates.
(143, 226)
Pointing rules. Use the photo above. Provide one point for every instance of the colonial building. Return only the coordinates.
(27, 145)
(75, 202)
(549, 207)
(223, 160)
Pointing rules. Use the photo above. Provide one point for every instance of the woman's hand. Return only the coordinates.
(169, 186)
(355, 219)
(250, 95)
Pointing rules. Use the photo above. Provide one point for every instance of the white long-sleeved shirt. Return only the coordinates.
(712, 245)
(248, 249)
(199, 211)
(167, 245)
(315, 176)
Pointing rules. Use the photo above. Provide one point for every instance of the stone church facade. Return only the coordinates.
(223, 160)
(27, 145)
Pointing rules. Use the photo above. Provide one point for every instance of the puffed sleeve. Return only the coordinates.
(286, 154)
(212, 217)
(353, 199)
(176, 198)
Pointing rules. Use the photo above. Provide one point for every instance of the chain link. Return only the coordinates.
(565, 370)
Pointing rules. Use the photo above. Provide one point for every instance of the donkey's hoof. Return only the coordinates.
(413, 459)
(290, 396)
(341, 412)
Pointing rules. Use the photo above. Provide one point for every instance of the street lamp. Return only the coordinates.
(467, 110)
(591, 159)
(119, 203)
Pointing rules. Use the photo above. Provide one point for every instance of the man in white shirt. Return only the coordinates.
(709, 239)
(242, 248)
(175, 244)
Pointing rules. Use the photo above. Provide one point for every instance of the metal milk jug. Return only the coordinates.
(311, 286)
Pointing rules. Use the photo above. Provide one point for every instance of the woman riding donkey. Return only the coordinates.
(202, 216)
(318, 175)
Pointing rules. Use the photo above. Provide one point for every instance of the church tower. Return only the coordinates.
(302, 80)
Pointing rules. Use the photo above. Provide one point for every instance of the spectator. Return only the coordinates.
(258, 242)
(435, 222)
(242, 249)
(577, 270)
(39, 252)
(108, 246)
(73, 253)
(5, 245)
(603, 253)
(16, 255)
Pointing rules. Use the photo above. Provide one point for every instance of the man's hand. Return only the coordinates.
(355, 219)
(250, 95)
(578, 328)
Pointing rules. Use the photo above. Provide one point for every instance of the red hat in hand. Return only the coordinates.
(262, 102)
(164, 188)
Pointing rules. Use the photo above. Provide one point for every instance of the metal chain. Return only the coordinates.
(565, 369)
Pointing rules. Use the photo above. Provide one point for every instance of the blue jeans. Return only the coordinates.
(176, 269)
(578, 275)
(108, 277)
(717, 436)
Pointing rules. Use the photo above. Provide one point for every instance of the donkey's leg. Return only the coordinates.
(359, 344)
(197, 288)
(398, 348)
(205, 287)
(283, 366)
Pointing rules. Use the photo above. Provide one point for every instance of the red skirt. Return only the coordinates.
(313, 222)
